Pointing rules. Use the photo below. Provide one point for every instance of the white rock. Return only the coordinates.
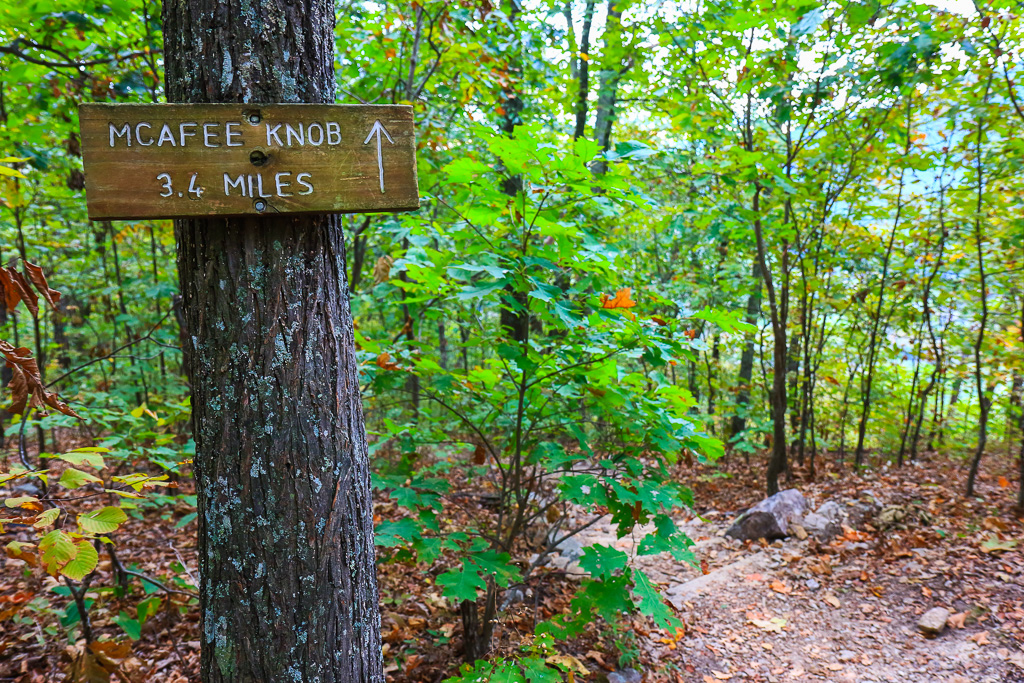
(933, 622)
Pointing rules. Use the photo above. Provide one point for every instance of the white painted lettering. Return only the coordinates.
(272, 133)
(282, 185)
(228, 133)
(238, 182)
(138, 135)
(207, 135)
(125, 132)
(291, 132)
(166, 134)
(181, 130)
(259, 186)
(320, 134)
(250, 184)
(333, 133)
(300, 181)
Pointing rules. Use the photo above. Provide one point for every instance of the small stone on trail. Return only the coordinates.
(847, 655)
(625, 676)
(820, 527)
(812, 584)
(933, 621)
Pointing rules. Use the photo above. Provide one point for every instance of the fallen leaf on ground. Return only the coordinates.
(957, 620)
(980, 638)
(780, 587)
(832, 600)
(773, 625)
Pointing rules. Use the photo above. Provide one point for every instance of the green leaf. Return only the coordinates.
(148, 607)
(47, 518)
(72, 478)
(462, 584)
(393, 533)
(538, 671)
(498, 565)
(602, 561)
(57, 549)
(651, 602)
(19, 501)
(88, 456)
(85, 561)
(130, 626)
(102, 521)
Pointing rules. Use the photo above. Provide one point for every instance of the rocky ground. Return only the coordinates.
(846, 607)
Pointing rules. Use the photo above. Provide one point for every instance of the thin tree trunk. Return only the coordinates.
(739, 420)
(288, 587)
(583, 71)
(984, 396)
(877, 328)
(608, 85)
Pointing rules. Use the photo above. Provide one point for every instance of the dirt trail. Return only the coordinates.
(844, 611)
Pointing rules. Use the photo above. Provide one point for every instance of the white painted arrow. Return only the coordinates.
(377, 130)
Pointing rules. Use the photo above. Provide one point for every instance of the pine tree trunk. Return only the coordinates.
(287, 578)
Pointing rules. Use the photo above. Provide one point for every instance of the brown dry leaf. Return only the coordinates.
(720, 675)
(994, 524)
(1004, 483)
(753, 577)
(980, 638)
(597, 657)
(385, 363)
(24, 290)
(957, 620)
(568, 663)
(27, 389)
(382, 269)
(35, 274)
(622, 299)
(10, 296)
(832, 600)
(780, 587)
(112, 649)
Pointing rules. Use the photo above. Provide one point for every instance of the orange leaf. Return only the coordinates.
(620, 300)
(780, 587)
(384, 361)
(1004, 483)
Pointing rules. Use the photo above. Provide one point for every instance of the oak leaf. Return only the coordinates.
(622, 299)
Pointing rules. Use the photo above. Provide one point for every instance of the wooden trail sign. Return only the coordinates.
(182, 160)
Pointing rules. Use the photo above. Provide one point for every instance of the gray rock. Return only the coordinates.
(847, 655)
(625, 676)
(933, 622)
(570, 548)
(820, 527)
(832, 511)
(812, 584)
(770, 518)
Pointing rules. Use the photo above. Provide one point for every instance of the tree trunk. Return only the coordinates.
(287, 578)
(739, 420)
(984, 396)
(583, 72)
(608, 83)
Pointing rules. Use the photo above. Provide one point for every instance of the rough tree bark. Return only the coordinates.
(287, 588)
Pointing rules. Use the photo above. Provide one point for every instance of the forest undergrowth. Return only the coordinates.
(973, 544)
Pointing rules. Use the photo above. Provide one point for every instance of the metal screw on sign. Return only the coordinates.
(260, 205)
